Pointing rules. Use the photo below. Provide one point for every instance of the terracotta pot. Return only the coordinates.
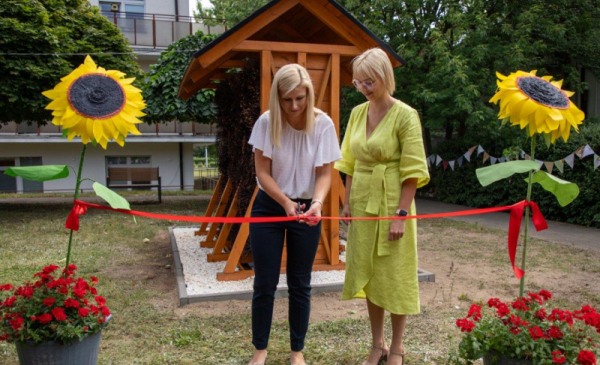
(84, 352)
(494, 358)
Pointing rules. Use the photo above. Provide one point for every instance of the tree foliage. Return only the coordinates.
(233, 11)
(56, 29)
(162, 84)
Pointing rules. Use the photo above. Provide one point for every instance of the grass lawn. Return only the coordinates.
(470, 263)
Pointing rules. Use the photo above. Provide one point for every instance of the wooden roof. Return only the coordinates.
(311, 26)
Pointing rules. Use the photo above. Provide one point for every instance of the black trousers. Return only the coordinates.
(266, 240)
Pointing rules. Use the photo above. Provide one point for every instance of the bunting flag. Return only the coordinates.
(596, 161)
(522, 154)
(428, 162)
(479, 150)
(451, 163)
(467, 156)
(570, 160)
(460, 160)
(527, 157)
(485, 156)
(438, 160)
(502, 159)
(445, 165)
(579, 152)
(560, 165)
(587, 151)
(541, 163)
(493, 160)
(549, 166)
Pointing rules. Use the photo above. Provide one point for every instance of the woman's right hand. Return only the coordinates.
(291, 208)
(346, 213)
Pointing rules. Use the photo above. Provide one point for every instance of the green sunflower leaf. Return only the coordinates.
(39, 173)
(115, 200)
(491, 174)
(564, 191)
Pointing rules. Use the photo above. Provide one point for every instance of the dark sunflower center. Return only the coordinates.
(96, 96)
(543, 92)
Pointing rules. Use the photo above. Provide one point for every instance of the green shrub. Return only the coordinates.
(461, 186)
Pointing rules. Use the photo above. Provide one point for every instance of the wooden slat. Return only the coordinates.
(258, 23)
(265, 80)
(209, 240)
(224, 234)
(317, 62)
(233, 64)
(273, 69)
(326, 245)
(258, 46)
(302, 59)
(334, 207)
(324, 82)
(282, 59)
(210, 209)
(292, 33)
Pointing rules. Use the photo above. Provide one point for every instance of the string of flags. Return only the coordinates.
(581, 152)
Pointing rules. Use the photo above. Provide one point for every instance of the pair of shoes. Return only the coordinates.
(401, 354)
(383, 357)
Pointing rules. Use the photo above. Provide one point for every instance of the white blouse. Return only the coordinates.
(293, 164)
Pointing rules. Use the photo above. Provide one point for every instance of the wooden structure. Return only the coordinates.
(317, 34)
(140, 177)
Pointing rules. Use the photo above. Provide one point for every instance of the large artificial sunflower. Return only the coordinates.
(538, 104)
(96, 104)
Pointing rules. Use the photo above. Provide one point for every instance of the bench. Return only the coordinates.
(140, 177)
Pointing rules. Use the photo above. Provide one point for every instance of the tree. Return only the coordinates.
(162, 84)
(42, 41)
(233, 11)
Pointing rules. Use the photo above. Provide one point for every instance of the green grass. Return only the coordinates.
(148, 328)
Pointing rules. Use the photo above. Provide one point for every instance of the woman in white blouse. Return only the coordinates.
(294, 144)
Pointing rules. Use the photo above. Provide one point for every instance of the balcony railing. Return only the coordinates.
(160, 30)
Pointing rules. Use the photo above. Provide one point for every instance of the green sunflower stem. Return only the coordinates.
(526, 232)
(75, 196)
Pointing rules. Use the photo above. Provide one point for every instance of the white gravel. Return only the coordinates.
(201, 275)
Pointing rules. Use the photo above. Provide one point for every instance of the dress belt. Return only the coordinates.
(377, 203)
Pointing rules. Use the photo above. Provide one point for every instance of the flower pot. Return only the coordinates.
(84, 352)
(494, 358)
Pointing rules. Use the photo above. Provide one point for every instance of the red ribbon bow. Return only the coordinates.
(73, 218)
(514, 227)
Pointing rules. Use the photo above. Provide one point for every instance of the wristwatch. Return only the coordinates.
(401, 213)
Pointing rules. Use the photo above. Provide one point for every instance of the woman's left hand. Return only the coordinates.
(396, 230)
(313, 214)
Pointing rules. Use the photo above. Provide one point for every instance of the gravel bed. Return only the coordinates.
(201, 275)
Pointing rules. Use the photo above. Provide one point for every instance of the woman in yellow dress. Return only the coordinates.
(384, 162)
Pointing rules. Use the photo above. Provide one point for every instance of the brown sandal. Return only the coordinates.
(383, 357)
(401, 354)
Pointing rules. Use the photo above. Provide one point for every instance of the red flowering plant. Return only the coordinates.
(61, 308)
(529, 328)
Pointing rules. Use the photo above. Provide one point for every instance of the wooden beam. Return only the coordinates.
(224, 234)
(324, 83)
(209, 240)
(245, 32)
(258, 46)
(302, 59)
(233, 64)
(273, 68)
(211, 208)
(219, 76)
(334, 206)
(292, 33)
(265, 80)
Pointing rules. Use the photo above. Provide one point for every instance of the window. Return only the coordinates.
(128, 161)
(8, 184)
(30, 186)
(143, 160)
(134, 11)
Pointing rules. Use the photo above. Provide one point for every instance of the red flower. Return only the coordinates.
(555, 333)
(45, 318)
(536, 333)
(4, 337)
(25, 291)
(94, 291)
(16, 323)
(100, 300)
(558, 357)
(105, 311)
(517, 321)
(465, 325)
(586, 358)
(541, 314)
(520, 304)
(536, 297)
(49, 269)
(6, 287)
(94, 280)
(9, 302)
(48, 302)
(493, 302)
(71, 303)
(515, 330)
(85, 328)
(83, 312)
(475, 312)
(546, 295)
(59, 314)
(100, 320)
(95, 310)
(502, 310)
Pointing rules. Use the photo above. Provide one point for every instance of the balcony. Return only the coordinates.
(160, 30)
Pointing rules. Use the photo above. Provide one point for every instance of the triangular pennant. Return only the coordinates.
(522, 154)
(460, 160)
(467, 156)
(587, 150)
(485, 156)
(428, 162)
(493, 160)
(479, 150)
(470, 151)
(527, 157)
(560, 165)
(431, 158)
(451, 163)
(502, 159)
(596, 161)
(579, 151)
(549, 166)
(570, 160)
(541, 163)
(445, 165)
(438, 160)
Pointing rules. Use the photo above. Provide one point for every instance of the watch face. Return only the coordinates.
(401, 212)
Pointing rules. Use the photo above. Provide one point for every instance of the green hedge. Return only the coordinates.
(461, 186)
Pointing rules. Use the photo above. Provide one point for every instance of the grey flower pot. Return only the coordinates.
(84, 352)
(494, 358)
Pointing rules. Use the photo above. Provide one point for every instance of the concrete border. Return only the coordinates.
(185, 299)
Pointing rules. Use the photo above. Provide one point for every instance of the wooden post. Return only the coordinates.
(334, 206)
(210, 209)
(224, 234)
(302, 59)
(209, 240)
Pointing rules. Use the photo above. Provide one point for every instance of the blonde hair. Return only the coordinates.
(375, 64)
(287, 79)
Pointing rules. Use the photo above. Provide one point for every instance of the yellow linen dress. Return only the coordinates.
(381, 270)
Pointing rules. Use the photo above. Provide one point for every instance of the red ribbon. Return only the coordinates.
(514, 227)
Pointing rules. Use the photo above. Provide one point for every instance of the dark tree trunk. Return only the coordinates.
(449, 131)
(428, 145)
(462, 128)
